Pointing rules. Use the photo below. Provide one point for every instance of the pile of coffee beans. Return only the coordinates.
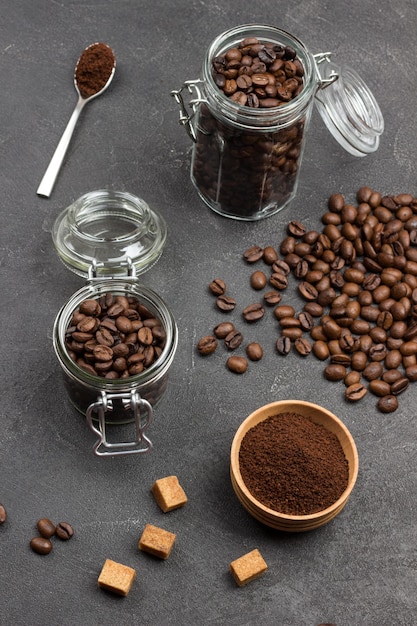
(244, 172)
(114, 336)
(358, 280)
(42, 544)
(259, 74)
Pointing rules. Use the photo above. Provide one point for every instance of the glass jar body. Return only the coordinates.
(83, 388)
(246, 161)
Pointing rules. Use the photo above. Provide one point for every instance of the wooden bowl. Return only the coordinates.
(275, 519)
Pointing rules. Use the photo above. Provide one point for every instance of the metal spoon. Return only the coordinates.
(48, 180)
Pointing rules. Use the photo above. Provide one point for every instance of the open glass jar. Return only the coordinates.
(109, 237)
(246, 155)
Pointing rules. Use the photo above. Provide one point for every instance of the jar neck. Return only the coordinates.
(246, 117)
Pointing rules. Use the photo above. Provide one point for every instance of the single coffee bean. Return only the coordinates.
(321, 350)
(341, 359)
(284, 310)
(253, 254)
(237, 364)
(207, 345)
(45, 527)
(64, 531)
(41, 545)
(335, 372)
(272, 298)
(217, 287)
(411, 373)
(399, 386)
(270, 255)
(279, 281)
(233, 340)
(352, 378)
(303, 346)
(297, 229)
(373, 371)
(355, 392)
(306, 320)
(3, 514)
(254, 351)
(308, 292)
(225, 303)
(258, 280)
(379, 387)
(223, 329)
(253, 312)
(387, 404)
(283, 345)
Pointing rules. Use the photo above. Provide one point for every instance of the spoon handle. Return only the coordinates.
(48, 180)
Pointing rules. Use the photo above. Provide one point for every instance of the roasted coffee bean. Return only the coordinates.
(64, 531)
(253, 254)
(233, 340)
(3, 514)
(352, 378)
(279, 281)
(295, 228)
(225, 303)
(90, 307)
(373, 371)
(306, 320)
(41, 545)
(223, 329)
(388, 404)
(254, 351)
(314, 309)
(335, 372)
(258, 280)
(308, 292)
(355, 392)
(253, 312)
(270, 255)
(341, 359)
(303, 346)
(281, 266)
(272, 298)
(283, 345)
(237, 364)
(217, 287)
(292, 333)
(284, 310)
(399, 386)
(289, 322)
(207, 345)
(379, 387)
(45, 527)
(321, 350)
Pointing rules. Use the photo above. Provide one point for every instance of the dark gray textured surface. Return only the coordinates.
(358, 570)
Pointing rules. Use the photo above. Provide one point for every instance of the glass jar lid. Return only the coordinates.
(349, 109)
(108, 229)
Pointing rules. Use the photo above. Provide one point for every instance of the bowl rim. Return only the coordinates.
(273, 409)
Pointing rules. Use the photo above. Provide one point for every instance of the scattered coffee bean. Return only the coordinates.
(388, 404)
(223, 329)
(3, 514)
(303, 346)
(225, 303)
(45, 527)
(254, 351)
(64, 531)
(253, 312)
(207, 345)
(283, 345)
(272, 298)
(41, 545)
(237, 364)
(253, 254)
(258, 280)
(233, 340)
(217, 287)
(355, 392)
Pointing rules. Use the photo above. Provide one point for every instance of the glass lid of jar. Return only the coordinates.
(349, 109)
(107, 229)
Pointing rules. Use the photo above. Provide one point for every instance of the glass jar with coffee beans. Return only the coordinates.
(250, 113)
(115, 339)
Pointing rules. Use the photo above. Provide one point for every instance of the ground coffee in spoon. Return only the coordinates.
(94, 68)
(293, 465)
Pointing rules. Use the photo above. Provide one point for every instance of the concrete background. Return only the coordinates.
(358, 570)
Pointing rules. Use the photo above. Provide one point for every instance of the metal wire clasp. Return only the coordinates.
(322, 57)
(132, 402)
(192, 86)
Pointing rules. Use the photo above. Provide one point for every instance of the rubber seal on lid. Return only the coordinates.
(107, 228)
(349, 110)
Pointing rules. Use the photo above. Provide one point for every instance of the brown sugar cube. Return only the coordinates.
(157, 541)
(168, 493)
(248, 567)
(116, 577)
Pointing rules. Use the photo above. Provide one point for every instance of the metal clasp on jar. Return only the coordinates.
(192, 86)
(324, 57)
(138, 406)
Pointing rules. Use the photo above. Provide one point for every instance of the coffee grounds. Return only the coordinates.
(94, 68)
(293, 465)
